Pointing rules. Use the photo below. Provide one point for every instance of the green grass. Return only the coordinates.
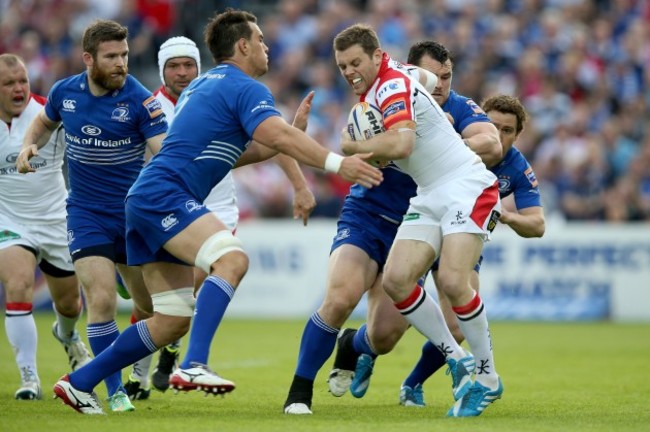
(557, 377)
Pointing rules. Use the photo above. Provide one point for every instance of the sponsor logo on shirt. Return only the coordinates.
(477, 109)
(36, 163)
(169, 221)
(504, 185)
(153, 106)
(411, 216)
(394, 108)
(389, 88)
(494, 218)
(6, 235)
(530, 175)
(120, 114)
(69, 105)
(262, 105)
(460, 219)
(91, 130)
(11, 157)
(343, 234)
(75, 140)
(192, 205)
(70, 237)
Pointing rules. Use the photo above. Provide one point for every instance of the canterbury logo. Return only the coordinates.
(169, 221)
(69, 104)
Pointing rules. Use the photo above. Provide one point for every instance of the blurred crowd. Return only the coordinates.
(581, 68)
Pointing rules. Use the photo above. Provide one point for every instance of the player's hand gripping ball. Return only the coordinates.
(364, 122)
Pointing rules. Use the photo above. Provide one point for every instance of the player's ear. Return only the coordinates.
(376, 57)
(88, 59)
(242, 45)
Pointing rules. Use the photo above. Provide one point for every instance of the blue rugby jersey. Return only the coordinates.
(516, 177)
(214, 122)
(464, 111)
(391, 197)
(105, 137)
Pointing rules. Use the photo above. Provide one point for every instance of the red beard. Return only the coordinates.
(105, 80)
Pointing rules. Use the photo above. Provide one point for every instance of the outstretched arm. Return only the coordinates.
(303, 199)
(275, 133)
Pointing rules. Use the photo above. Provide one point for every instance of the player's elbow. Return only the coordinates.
(403, 147)
(402, 152)
(540, 229)
(494, 153)
(537, 229)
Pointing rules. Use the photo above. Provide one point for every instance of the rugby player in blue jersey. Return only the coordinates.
(366, 229)
(109, 118)
(169, 230)
(179, 62)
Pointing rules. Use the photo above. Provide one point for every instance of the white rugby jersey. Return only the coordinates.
(222, 199)
(439, 153)
(35, 198)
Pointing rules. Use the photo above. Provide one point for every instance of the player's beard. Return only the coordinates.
(104, 79)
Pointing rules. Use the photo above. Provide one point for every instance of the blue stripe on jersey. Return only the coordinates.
(105, 137)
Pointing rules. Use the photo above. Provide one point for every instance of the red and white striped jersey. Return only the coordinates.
(439, 154)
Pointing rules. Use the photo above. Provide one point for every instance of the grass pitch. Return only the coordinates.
(557, 377)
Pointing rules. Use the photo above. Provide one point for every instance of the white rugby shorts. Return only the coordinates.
(468, 204)
(50, 241)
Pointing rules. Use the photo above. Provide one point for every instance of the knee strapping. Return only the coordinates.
(215, 247)
(178, 302)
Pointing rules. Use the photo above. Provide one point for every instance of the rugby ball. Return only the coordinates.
(364, 121)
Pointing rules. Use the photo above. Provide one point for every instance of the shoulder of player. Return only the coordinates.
(37, 99)
(515, 161)
(392, 73)
(70, 84)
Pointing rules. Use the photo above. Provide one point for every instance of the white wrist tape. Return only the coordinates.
(333, 162)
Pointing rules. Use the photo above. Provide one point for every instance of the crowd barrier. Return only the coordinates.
(577, 271)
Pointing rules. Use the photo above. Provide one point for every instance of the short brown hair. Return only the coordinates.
(102, 31)
(225, 29)
(361, 34)
(508, 105)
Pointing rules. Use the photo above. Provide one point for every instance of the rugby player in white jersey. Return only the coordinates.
(33, 232)
(454, 211)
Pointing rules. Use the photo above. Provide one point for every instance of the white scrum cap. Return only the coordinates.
(178, 46)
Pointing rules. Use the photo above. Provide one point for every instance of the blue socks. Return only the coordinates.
(133, 344)
(361, 343)
(100, 337)
(211, 304)
(316, 346)
(430, 361)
